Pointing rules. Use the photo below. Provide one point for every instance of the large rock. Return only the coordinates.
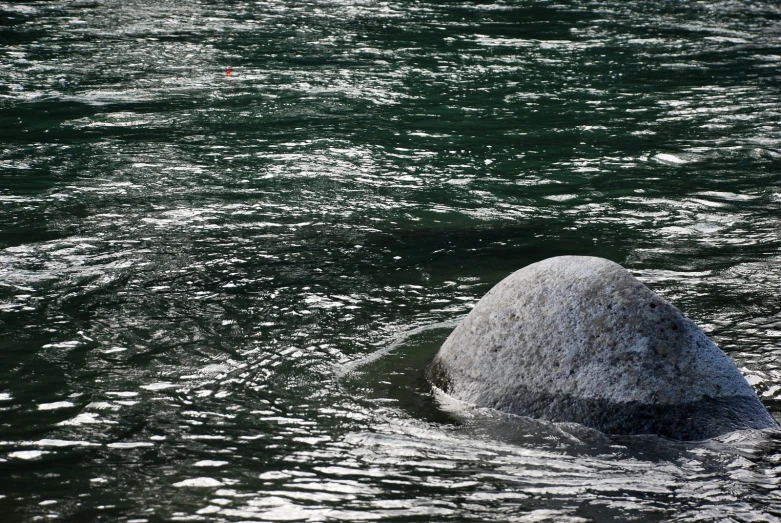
(579, 339)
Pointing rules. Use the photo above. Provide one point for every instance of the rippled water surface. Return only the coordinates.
(217, 292)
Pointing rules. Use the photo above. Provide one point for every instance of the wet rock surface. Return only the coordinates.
(579, 339)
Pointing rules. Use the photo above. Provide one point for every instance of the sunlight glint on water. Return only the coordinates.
(189, 261)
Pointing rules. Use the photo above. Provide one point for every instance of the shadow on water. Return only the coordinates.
(395, 375)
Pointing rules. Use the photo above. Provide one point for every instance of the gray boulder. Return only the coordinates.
(579, 339)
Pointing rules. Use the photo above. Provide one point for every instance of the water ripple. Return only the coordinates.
(195, 268)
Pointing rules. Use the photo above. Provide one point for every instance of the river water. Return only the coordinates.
(217, 292)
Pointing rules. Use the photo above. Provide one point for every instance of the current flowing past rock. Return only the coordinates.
(579, 339)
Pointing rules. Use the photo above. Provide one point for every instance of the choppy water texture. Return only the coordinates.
(192, 266)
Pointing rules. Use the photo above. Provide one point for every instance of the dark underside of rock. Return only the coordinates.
(579, 339)
(690, 421)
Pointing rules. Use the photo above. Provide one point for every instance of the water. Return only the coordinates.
(194, 268)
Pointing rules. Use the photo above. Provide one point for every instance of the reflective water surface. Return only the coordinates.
(217, 292)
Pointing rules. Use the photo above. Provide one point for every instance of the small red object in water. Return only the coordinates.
(228, 72)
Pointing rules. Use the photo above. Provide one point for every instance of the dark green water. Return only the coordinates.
(190, 263)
